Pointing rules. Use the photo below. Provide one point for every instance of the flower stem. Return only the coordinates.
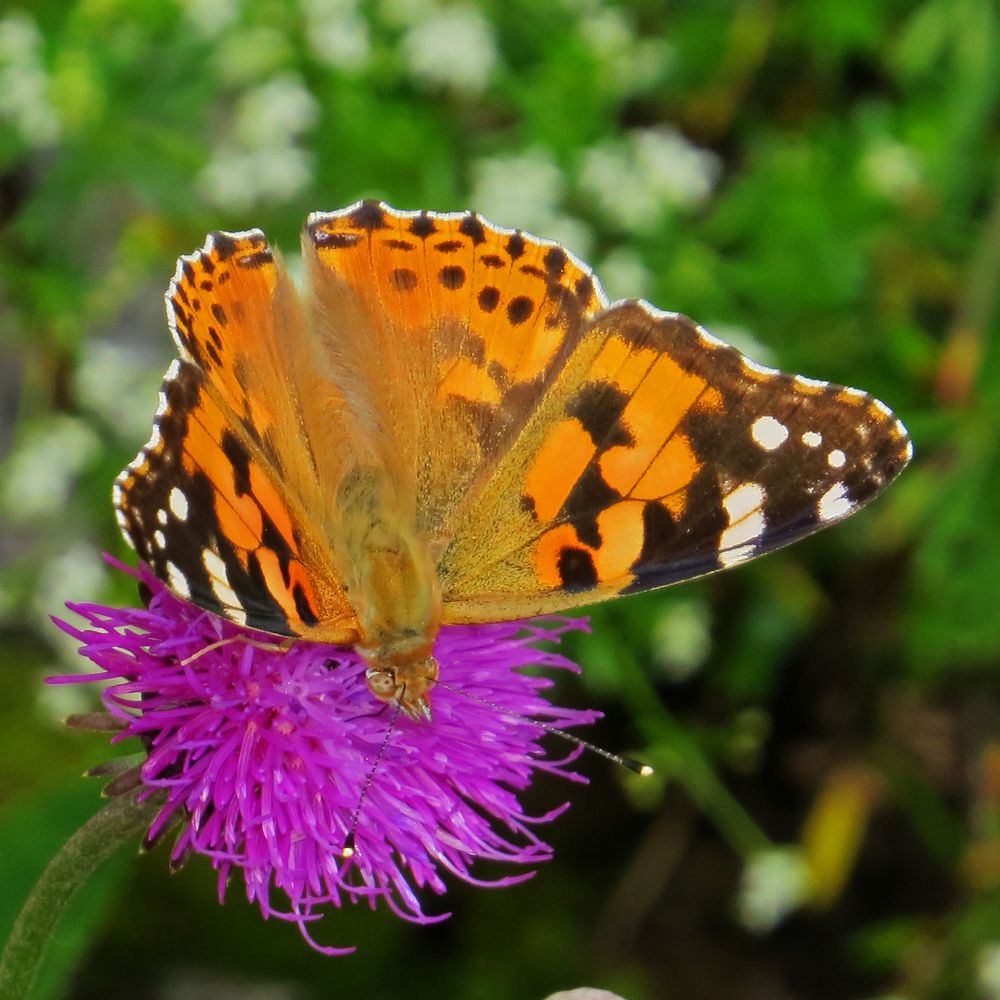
(121, 820)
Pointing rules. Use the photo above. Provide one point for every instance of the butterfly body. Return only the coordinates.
(388, 570)
(453, 425)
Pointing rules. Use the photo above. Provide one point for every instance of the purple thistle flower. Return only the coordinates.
(263, 754)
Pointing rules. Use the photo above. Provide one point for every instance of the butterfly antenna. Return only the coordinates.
(350, 846)
(630, 763)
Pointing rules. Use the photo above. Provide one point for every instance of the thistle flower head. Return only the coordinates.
(265, 756)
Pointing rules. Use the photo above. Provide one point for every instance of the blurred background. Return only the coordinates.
(816, 181)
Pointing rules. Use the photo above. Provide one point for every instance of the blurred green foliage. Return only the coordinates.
(818, 181)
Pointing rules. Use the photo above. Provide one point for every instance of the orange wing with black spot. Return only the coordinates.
(658, 454)
(221, 501)
(452, 329)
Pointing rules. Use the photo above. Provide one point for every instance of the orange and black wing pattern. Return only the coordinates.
(458, 327)
(659, 454)
(218, 502)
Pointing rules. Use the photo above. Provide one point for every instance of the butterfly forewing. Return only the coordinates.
(463, 324)
(661, 454)
(221, 501)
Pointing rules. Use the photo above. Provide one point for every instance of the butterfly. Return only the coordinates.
(452, 424)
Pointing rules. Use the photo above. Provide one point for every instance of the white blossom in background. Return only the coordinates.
(453, 47)
(775, 883)
(259, 158)
(633, 181)
(106, 366)
(295, 264)
(682, 174)
(24, 82)
(526, 187)
(236, 179)
(629, 63)
(890, 169)
(337, 33)
(525, 191)
(274, 113)
(609, 177)
(75, 574)
(38, 475)
(210, 18)
(624, 274)
(681, 638)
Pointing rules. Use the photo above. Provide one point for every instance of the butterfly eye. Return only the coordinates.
(381, 683)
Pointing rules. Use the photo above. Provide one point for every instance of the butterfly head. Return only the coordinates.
(407, 684)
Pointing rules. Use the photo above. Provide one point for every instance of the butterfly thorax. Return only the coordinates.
(394, 590)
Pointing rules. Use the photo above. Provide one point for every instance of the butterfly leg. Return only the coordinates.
(271, 647)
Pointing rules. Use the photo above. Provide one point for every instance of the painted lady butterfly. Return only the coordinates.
(454, 425)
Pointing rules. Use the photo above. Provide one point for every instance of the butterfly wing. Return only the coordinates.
(658, 454)
(218, 502)
(450, 329)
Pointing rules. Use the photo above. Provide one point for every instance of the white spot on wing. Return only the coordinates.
(743, 501)
(810, 383)
(769, 433)
(178, 504)
(216, 570)
(746, 523)
(214, 566)
(162, 516)
(837, 459)
(812, 439)
(178, 581)
(834, 504)
(160, 539)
